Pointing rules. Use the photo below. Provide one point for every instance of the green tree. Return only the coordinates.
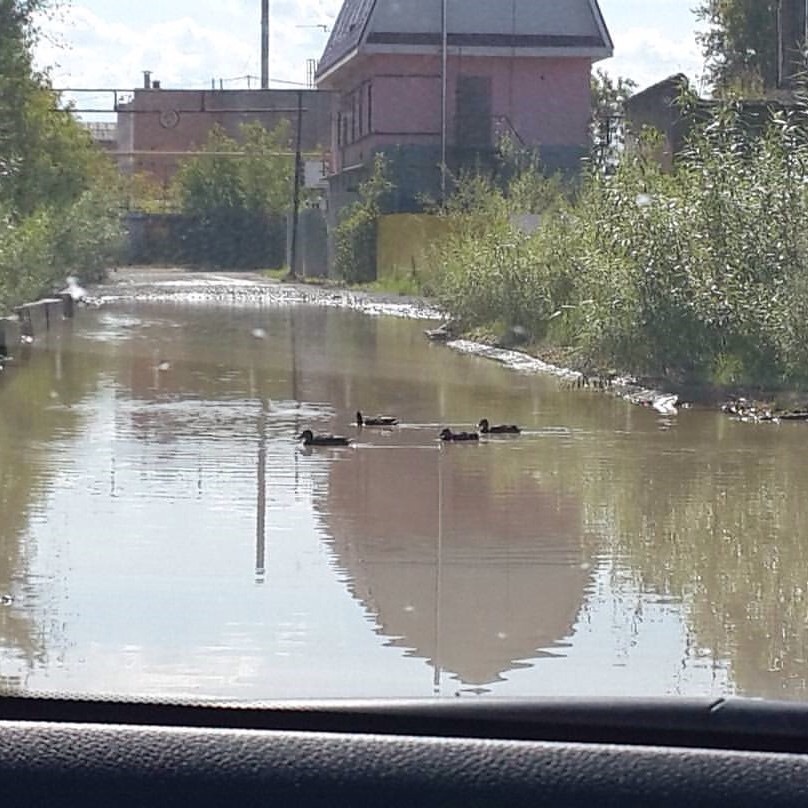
(59, 204)
(251, 174)
(740, 45)
(49, 158)
(355, 235)
(609, 96)
(235, 192)
(211, 180)
(267, 167)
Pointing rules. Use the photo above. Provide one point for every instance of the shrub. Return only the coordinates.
(699, 273)
(234, 194)
(58, 194)
(355, 234)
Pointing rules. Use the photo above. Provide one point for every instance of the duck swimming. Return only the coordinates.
(310, 439)
(448, 435)
(377, 420)
(499, 429)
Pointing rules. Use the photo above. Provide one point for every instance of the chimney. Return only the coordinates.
(147, 79)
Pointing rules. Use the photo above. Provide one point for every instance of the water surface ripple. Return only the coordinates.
(164, 534)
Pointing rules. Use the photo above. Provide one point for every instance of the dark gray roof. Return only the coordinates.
(524, 24)
(347, 31)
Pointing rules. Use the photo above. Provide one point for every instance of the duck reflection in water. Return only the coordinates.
(448, 435)
(376, 420)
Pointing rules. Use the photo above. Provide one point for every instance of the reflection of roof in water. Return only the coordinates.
(502, 582)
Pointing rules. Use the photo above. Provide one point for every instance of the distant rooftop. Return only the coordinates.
(533, 27)
(102, 131)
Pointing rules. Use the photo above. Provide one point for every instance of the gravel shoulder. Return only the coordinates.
(250, 288)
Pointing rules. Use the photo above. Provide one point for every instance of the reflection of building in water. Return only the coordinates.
(470, 578)
(37, 412)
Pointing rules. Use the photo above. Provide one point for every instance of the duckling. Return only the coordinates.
(448, 435)
(378, 420)
(499, 429)
(310, 439)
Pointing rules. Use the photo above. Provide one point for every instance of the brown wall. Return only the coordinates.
(656, 108)
(404, 242)
(395, 99)
(166, 121)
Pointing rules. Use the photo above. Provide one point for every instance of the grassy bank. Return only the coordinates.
(698, 275)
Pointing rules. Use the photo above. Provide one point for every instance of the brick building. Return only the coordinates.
(159, 126)
(412, 84)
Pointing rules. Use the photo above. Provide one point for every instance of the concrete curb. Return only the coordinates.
(32, 320)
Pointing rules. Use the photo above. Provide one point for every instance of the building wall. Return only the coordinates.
(404, 242)
(655, 108)
(545, 101)
(165, 121)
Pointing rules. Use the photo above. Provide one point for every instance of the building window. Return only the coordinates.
(370, 108)
(339, 129)
(361, 115)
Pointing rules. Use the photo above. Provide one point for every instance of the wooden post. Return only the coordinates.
(68, 305)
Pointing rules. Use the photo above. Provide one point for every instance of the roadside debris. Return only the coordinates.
(756, 412)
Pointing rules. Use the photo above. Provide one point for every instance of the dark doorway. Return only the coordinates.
(473, 113)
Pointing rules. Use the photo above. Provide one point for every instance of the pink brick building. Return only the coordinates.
(512, 67)
(159, 127)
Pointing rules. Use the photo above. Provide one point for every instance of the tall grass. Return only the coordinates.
(699, 274)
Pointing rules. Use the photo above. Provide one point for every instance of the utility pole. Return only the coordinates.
(264, 44)
(296, 192)
(443, 99)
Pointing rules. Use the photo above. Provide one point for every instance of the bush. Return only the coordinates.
(489, 272)
(59, 202)
(233, 204)
(699, 274)
(356, 232)
(38, 252)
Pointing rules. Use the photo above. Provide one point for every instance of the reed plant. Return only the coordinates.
(697, 273)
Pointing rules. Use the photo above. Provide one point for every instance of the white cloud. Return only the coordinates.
(648, 55)
(86, 49)
(186, 43)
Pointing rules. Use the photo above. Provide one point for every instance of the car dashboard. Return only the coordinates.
(734, 752)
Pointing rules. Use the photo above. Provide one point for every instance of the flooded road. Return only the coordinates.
(163, 533)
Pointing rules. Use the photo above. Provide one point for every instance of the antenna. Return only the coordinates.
(311, 69)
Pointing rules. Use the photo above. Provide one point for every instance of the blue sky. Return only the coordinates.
(186, 43)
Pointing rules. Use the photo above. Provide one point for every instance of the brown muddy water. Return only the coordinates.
(162, 533)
